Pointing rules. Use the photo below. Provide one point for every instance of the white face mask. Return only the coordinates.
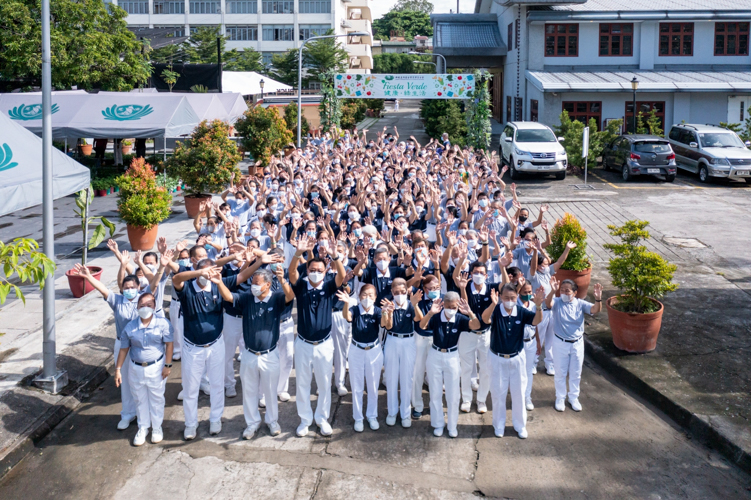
(143, 282)
(400, 299)
(315, 277)
(471, 243)
(151, 267)
(566, 298)
(255, 233)
(256, 290)
(145, 312)
(354, 216)
(449, 313)
(203, 281)
(367, 303)
(509, 304)
(382, 265)
(479, 279)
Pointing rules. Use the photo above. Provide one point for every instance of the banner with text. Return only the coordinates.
(404, 86)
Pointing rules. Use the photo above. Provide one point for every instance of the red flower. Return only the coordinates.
(349, 77)
(439, 93)
(368, 93)
(459, 77)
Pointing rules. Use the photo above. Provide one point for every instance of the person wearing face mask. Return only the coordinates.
(532, 344)
(366, 356)
(381, 275)
(568, 345)
(523, 253)
(400, 352)
(507, 358)
(341, 329)
(262, 310)
(125, 308)
(185, 262)
(314, 349)
(431, 291)
(240, 203)
(148, 340)
(446, 319)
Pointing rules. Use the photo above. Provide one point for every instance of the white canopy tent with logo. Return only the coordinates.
(26, 109)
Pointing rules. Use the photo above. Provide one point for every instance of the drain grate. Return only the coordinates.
(683, 242)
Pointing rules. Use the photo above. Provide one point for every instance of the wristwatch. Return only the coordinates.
(166, 365)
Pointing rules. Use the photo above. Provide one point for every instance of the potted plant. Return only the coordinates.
(577, 266)
(126, 146)
(635, 316)
(86, 147)
(142, 204)
(78, 284)
(206, 163)
(263, 133)
(99, 186)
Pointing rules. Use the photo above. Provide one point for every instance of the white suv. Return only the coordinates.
(532, 147)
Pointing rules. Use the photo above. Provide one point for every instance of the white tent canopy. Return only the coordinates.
(234, 104)
(21, 169)
(247, 83)
(26, 109)
(208, 106)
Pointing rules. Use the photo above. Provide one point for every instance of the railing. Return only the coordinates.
(134, 6)
(169, 7)
(205, 7)
(242, 7)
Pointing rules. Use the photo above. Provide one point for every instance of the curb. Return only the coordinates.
(47, 422)
(697, 427)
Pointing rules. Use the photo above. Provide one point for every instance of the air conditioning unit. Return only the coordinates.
(346, 24)
(346, 1)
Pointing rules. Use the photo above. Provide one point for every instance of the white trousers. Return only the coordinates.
(147, 385)
(474, 347)
(195, 361)
(444, 372)
(128, 410)
(399, 360)
(365, 370)
(530, 352)
(308, 359)
(286, 348)
(177, 326)
(259, 375)
(508, 375)
(233, 337)
(341, 334)
(569, 359)
(547, 336)
(422, 348)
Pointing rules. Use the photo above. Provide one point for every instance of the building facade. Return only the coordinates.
(268, 26)
(690, 58)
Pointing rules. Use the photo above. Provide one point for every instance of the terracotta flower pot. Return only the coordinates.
(193, 203)
(78, 284)
(100, 192)
(581, 278)
(86, 149)
(126, 149)
(634, 332)
(142, 239)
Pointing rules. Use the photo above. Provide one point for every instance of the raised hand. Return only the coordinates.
(554, 284)
(437, 306)
(462, 281)
(494, 296)
(343, 296)
(387, 306)
(544, 208)
(124, 257)
(82, 270)
(598, 291)
(416, 297)
(539, 296)
(167, 257)
(464, 307)
(161, 244)
(570, 245)
(181, 245)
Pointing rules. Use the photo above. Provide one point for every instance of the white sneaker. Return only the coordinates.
(230, 392)
(482, 408)
(465, 407)
(358, 426)
(157, 435)
(453, 434)
(180, 395)
(529, 405)
(140, 436)
(176, 356)
(560, 404)
(206, 389)
(302, 430)
(390, 420)
(438, 431)
(342, 391)
(475, 386)
(550, 370)
(498, 434)
(406, 423)
(325, 428)
(274, 429)
(373, 423)
(262, 402)
(250, 431)
(575, 404)
(190, 433)
(124, 423)
(522, 433)
(215, 428)
(284, 397)
(534, 370)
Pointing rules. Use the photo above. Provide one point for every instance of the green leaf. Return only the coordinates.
(4, 290)
(97, 237)
(109, 225)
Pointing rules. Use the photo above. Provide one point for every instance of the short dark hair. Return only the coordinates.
(571, 284)
(508, 287)
(151, 254)
(314, 260)
(194, 249)
(147, 295)
(129, 278)
(513, 271)
(203, 263)
(524, 232)
(477, 264)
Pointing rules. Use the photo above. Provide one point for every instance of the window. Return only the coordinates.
(509, 36)
(509, 118)
(278, 7)
(652, 147)
(561, 40)
(676, 39)
(535, 135)
(174, 31)
(583, 111)
(242, 7)
(308, 30)
(205, 7)
(645, 108)
(533, 113)
(134, 6)
(279, 32)
(720, 140)
(242, 33)
(616, 39)
(267, 57)
(315, 6)
(731, 39)
(169, 7)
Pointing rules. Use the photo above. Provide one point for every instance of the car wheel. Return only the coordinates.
(625, 173)
(703, 173)
(513, 171)
(560, 175)
(670, 178)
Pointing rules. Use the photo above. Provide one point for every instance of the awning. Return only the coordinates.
(234, 104)
(247, 83)
(26, 109)
(21, 169)
(649, 81)
(467, 35)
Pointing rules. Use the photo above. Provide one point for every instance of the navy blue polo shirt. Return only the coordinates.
(260, 319)
(449, 277)
(383, 285)
(404, 320)
(314, 309)
(365, 327)
(445, 334)
(277, 287)
(424, 305)
(339, 305)
(507, 332)
(202, 311)
(478, 302)
(229, 307)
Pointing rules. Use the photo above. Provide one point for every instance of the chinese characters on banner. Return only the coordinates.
(404, 86)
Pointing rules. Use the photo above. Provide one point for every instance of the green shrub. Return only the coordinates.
(569, 229)
(349, 116)
(639, 274)
(375, 105)
(263, 133)
(142, 203)
(572, 132)
(290, 118)
(444, 115)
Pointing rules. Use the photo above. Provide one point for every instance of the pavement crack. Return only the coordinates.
(319, 476)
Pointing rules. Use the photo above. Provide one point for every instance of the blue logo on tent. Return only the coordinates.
(30, 112)
(6, 155)
(127, 112)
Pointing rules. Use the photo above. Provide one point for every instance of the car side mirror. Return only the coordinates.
(748, 144)
(508, 139)
(561, 139)
(693, 145)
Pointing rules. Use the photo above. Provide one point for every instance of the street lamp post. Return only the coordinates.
(299, 76)
(634, 86)
(415, 53)
(261, 83)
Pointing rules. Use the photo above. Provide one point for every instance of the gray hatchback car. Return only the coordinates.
(638, 154)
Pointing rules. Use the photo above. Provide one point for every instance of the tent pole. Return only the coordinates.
(66, 146)
(165, 160)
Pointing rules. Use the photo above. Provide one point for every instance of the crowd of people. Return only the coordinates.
(355, 254)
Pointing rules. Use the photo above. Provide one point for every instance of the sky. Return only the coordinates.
(380, 7)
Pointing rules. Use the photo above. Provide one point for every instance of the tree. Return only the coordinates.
(320, 56)
(264, 133)
(200, 48)
(478, 113)
(23, 258)
(572, 131)
(91, 45)
(409, 22)
(401, 63)
(284, 67)
(290, 118)
(423, 6)
(170, 77)
(330, 108)
(444, 115)
(243, 60)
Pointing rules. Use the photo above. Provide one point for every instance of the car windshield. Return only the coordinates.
(652, 147)
(720, 140)
(535, 135)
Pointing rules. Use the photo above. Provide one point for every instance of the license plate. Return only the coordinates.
(741, 172)
(653, 170)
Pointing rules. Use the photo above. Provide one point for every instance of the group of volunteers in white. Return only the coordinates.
(356, 255)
